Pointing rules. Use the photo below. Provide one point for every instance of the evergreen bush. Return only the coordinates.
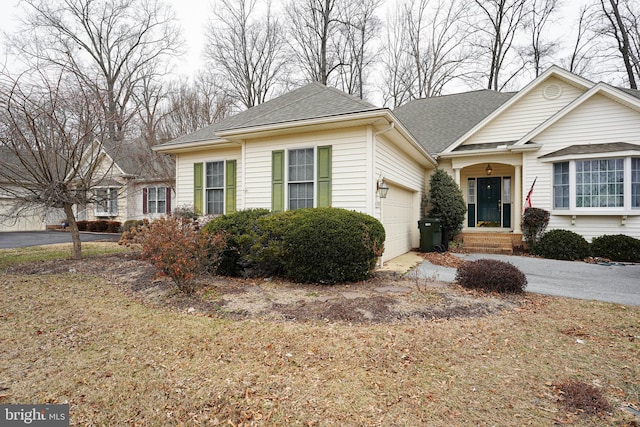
(491, 275)
(563, 245)
(447, 203)
(329, 245)
(617, 247)
(240, 227)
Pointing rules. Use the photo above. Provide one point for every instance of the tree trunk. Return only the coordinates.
(624, 44)
(75, 233)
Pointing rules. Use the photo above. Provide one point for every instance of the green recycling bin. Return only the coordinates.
(430, 234)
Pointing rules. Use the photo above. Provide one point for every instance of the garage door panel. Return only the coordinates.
(398, 219)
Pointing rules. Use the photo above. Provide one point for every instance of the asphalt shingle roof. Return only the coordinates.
(136, 158)
(438, 122)
(308, 102)
(594, 149)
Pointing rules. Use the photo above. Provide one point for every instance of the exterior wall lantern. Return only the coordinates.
(382, 188)
(489, 169)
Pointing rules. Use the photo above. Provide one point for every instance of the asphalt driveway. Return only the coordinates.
(614, 282)
(19, 239)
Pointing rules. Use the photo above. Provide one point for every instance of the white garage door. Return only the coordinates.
(29, 222)
(399, 221)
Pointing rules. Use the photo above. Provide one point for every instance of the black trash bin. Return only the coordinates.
(430, 234)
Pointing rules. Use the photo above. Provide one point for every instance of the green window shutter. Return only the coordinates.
(324, 176)
(277, 181)
(197, 188)
(230, 187)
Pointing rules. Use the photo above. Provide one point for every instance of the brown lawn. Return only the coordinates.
(123, 349)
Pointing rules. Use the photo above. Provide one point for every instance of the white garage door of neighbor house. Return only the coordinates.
(25, 223)
(398, 221)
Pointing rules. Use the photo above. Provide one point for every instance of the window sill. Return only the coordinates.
(568, 212)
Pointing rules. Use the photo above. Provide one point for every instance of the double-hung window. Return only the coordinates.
(157, 200)
(214, 188)
(300, 184)
(591, 184)
(106, 202)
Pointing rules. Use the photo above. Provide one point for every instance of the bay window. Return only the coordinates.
(611, 184)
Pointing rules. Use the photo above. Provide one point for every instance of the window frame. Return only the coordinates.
(157, 191)
(626, 207)
(107, 204)
(290, 182)
(214, 189)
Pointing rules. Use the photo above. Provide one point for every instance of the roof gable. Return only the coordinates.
(623, 97)
(136, 159)
(308, 102)
(437, 122)
(552, 73)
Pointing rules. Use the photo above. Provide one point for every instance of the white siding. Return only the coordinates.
(184, 173)
(349, 168)
(598, 120)
(526, 114)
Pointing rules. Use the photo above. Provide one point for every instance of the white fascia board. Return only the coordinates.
(553, 71)
(600, 88)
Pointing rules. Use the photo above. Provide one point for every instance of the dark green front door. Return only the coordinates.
(489, 190)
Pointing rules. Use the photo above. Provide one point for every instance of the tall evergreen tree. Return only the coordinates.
(447, 203)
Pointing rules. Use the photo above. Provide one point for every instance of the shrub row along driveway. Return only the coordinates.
(609, 282)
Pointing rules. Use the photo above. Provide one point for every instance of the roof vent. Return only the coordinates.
(552, 91)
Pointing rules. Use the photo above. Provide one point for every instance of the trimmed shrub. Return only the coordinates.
(240, 227)
(329, 245)
(491, 275)
(617, 247)
(534, 224)
(82, 225)
(267, 253)
(447, 203)
(113, 226)
(563, 245)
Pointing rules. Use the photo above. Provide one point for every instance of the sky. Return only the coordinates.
(194, 15)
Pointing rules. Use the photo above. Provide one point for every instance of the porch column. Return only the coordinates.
(517, 202)
(456, 176)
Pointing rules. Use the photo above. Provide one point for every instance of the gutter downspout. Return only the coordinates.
(392, 126)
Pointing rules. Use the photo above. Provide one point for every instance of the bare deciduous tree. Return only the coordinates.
(540, 14)
(622, 25)
(498, 23)
(359, 27)
(248, 51)
(426, 49)
(315, 37)
(584, 47)
(193, 106)
(49, 146)
(107, 44)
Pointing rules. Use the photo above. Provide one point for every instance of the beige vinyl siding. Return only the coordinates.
(348, 165)
(184, 173)
(598, 120)
(526, 114)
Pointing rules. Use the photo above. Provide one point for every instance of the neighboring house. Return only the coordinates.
(312, 147)
(578, 140)
(316, 146)
(137, 183)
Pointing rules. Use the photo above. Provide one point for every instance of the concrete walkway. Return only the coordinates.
(614, 282)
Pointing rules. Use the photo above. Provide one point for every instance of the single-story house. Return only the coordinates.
(579, 141)
(313, 147)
